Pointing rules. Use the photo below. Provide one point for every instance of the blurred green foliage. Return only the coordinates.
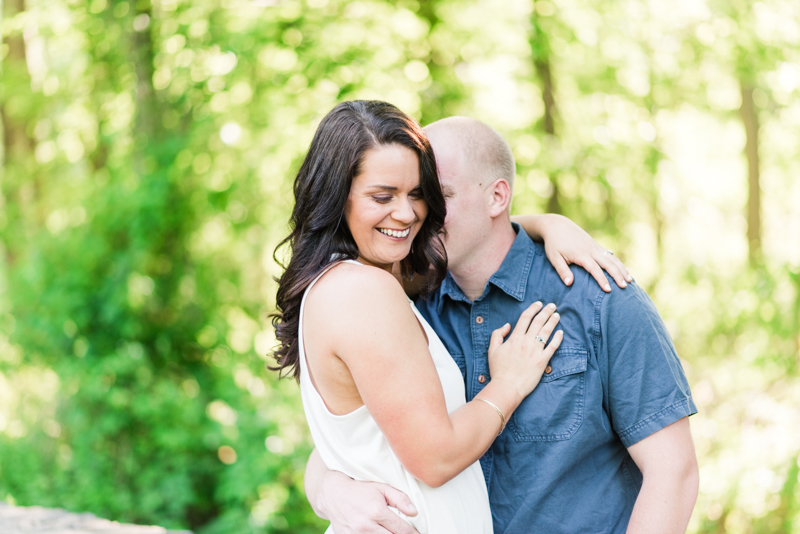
(148, 151)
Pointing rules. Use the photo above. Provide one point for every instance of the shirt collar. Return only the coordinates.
(511, 277)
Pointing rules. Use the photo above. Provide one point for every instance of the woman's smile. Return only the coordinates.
(397, 234)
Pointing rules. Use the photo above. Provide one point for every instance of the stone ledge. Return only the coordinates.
(38, 520)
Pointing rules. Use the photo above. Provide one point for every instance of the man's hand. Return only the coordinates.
(565, 242)
(355, 507)
(363, 507)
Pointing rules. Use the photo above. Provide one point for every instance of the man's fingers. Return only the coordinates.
(399, 500)
(396, 525)
(391, 521)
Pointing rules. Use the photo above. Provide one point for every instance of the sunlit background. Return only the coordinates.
(148, 152)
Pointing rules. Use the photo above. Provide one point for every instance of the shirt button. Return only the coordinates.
(548, 370)
(479, 319)
(481, 379)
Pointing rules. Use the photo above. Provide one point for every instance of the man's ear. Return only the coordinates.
(499, 197)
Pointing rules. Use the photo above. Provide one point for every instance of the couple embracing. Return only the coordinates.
(513, 395)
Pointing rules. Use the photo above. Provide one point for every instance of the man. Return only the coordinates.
(603, 443)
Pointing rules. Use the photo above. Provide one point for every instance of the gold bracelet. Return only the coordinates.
(502, 417)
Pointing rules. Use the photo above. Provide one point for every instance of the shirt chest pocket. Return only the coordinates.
(554, 411)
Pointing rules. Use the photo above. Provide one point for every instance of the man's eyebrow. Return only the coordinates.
(447, 190)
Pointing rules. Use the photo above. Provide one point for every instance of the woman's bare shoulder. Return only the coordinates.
(350, 278)
(355, 290)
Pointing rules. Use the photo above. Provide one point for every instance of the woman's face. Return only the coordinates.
(385, 208)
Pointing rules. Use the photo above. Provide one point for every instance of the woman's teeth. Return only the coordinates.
(395, 233)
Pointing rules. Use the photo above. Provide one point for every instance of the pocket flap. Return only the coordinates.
(566, 361)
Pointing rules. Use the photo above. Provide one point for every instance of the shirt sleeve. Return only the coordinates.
(645, 388)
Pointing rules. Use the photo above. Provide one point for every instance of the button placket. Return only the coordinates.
(480, 337)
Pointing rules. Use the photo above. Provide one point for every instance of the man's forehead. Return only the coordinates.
(449, 158)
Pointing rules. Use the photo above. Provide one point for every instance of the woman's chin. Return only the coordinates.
(399, 258)
(385, 261)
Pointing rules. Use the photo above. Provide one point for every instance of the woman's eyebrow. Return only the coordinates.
(381, 186)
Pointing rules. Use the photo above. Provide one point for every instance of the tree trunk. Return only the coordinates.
(427, 10)
(750, 120)
(19, 186)
(540, 51)
(445, 91)
(2, 122)
(146, 125)
(15, 139)
(650, 188)
(796, 320)
(542, 64)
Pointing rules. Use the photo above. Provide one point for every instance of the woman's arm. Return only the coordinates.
(374, 331)
(565, 242)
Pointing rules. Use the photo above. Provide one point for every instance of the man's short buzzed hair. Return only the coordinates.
(484, 150)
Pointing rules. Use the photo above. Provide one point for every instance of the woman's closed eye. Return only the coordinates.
(381, 199)
(416, 194)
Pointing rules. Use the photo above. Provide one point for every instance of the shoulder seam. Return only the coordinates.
(598, 304)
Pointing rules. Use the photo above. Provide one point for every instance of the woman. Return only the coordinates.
(383, 399)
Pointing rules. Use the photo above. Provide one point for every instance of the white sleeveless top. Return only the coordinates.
(354, 444)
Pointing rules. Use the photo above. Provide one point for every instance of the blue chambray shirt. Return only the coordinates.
(561, 465)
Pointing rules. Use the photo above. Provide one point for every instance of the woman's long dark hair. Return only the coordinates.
(319, 233)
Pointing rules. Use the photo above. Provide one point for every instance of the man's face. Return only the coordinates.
(467, 222)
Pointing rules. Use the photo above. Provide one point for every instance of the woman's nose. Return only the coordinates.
(404, 212)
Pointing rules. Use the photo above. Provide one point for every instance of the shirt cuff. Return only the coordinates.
(657, 421)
